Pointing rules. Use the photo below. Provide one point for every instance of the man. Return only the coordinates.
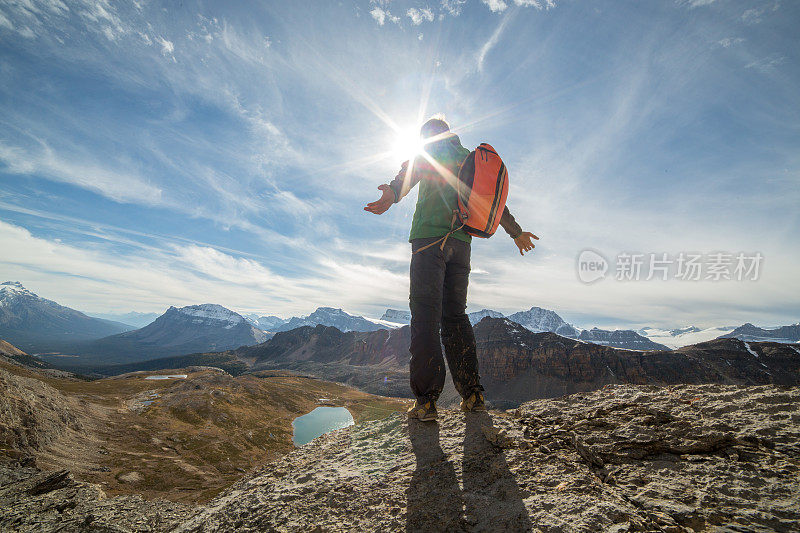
(440, 272)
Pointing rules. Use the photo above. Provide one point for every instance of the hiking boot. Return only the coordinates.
(474, 402)
(424, 411)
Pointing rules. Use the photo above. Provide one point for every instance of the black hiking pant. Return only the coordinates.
(439, 279)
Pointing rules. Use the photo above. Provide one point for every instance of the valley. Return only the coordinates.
(179, 439)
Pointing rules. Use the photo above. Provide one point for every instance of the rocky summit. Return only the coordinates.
(623, 458)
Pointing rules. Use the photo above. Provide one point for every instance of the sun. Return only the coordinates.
(407, 144)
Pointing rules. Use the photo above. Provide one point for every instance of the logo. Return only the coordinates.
(591, 266)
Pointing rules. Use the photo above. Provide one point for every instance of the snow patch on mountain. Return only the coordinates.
(396, 316)
(388, 324)
(749, 349)
(680, 337)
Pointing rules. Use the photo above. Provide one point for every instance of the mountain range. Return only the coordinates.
(326, 316)
(539, 320)
(40, 325)
(194, 328)
(34, 323)
(749, 332)
(516, 364)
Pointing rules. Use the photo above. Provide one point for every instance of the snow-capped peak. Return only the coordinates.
(538, 320)
(477, 316)
(12, 290)
(210, 312)
(14, 287)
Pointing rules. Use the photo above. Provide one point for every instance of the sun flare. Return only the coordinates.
(407, 144)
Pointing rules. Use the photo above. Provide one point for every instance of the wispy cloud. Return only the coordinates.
(538, 4)
(492, 41)
(496, 6)
(698, 3)
(167, 47)
(418, 16)
(753, 16)
(5, 23)
(453, 7)
(115, 184)
(382, 15)
(727, 42)
(766, 64)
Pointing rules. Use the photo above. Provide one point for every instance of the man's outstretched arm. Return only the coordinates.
(523, 239)
(394, 191)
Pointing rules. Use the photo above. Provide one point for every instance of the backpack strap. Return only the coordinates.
(443, 240)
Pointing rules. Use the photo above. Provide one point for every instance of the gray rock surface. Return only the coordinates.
(31, 500)
(625, 458)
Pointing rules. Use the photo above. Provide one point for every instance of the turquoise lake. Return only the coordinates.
(318, 422)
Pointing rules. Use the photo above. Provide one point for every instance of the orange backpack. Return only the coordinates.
(482, 191)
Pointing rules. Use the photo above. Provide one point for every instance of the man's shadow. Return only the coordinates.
(491, 499)
(434, 496)
(491, 496)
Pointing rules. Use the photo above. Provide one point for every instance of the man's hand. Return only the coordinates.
(524, 242)
(385, 202)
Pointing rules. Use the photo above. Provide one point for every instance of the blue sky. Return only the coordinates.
(155, 154)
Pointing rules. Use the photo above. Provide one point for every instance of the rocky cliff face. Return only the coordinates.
(517, 365)
(623, 458)
(326, 344)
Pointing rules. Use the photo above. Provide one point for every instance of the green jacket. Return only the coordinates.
(437, 198)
